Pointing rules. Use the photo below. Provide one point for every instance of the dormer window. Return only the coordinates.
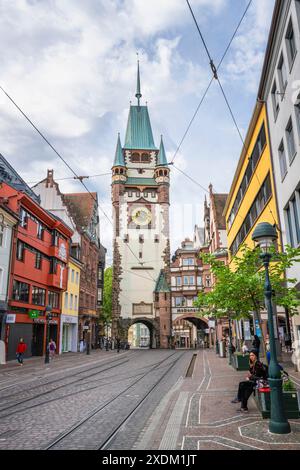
(160, 173)
(135, 157)
(145, 158)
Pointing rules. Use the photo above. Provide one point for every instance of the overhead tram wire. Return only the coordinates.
(215, 75)
(72, 178)
(212, 79)
(66, 163)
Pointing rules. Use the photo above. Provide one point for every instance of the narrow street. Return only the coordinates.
(139, 399)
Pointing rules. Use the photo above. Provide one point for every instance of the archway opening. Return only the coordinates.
(191, 333)
(139, 336)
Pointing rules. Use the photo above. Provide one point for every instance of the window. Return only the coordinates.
(66, 299)
(54, 238)
(1, 232)
(297, 113)
(38, 295)
(135, 157)
(99, 296)
(24, 218)
(156, 239)
(73, 274)
(179, 301)
(290, 43)
(185, 280)
(129, 193)
(53, 265)
(21, 291)
(290, 227)
(188, 261)
(290, 140)
(76, 302)
(207, 281)
(282, 74)
(145, 158)
(199, 281)
(178, 281)
(275, 99)
(38, 260)
(296, 219)
(77, 275)
(40, 231)
(192, 280)
(20, 251)
(71, 302)
(257, 207)
(282, 160)
(153, 194)
(53, 299)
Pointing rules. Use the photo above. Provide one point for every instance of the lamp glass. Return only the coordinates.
(265, 244)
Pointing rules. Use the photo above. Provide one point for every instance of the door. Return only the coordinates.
(65, 338)
(37, 339)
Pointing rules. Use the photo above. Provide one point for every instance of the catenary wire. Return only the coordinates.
(212, 79)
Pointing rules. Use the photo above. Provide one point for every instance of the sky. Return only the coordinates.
(71, 67)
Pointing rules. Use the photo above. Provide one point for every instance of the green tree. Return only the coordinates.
(237, 293)
(106, 314)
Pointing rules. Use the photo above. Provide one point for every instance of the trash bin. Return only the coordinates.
(222, 348)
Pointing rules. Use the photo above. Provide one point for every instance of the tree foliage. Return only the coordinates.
(239, 292)
(107, 295)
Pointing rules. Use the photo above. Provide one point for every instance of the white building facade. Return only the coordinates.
(280, 89)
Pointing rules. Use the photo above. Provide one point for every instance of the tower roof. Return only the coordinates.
(119, 157)
(138, 84)
(161, 283)
(139, 132)
(161, 158)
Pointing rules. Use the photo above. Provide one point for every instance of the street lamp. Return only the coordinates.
(48, 315)
(265, 235)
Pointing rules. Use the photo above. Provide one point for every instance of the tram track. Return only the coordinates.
(16, 384)
(62, 397)
(103, 407)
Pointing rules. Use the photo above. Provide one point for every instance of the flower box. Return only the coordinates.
(290, 402)
(240, 361)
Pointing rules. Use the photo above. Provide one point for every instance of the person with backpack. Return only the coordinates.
(21, 348)
(257, 370)
(52, 348)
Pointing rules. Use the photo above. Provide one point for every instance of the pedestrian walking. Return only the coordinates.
(52, 348)
(257, 370)
(118, 344)
(21, 348)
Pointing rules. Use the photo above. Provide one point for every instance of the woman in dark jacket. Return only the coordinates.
(257, 370)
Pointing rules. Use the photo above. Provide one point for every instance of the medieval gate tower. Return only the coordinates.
(141, 251)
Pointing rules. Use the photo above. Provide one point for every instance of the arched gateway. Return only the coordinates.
(189, 330)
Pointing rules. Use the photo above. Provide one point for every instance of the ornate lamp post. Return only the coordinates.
(265, 235)
(48, 315)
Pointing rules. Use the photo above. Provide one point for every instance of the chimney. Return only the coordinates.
(50, 180)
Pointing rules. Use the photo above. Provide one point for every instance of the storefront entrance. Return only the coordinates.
(66, 338)
(37, 339)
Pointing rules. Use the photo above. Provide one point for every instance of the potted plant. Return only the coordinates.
(290, 400)
(240, 361)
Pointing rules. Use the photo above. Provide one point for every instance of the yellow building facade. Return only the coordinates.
(70, 308)
(252, 196)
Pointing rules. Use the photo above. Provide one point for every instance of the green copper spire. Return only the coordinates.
(119, 158)
(161, 158)
(138, 84)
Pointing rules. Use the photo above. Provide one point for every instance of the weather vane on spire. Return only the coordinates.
(138, 84)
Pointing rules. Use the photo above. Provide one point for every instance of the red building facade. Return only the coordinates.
(39, 273)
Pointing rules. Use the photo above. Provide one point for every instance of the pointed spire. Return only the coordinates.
(161, 158)
(138, 84)
(119, 158)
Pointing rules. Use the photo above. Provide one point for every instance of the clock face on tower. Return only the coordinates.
(141, 216)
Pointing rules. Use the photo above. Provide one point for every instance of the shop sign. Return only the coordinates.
(33, 313)
(39, 320)
(211, 323)
(11, 318)
(85, 327)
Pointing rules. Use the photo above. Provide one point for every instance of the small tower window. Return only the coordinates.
(121, 171)
(160, 173)
(126, 238)
(166, 173)
(117, 171)
(156, 239)
(135, 157)
(141, 238)
(137, 194)
(145, 158)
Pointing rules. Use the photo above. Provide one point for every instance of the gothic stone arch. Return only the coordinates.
(152, 324)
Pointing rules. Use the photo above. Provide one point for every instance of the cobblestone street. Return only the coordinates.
(137, 399)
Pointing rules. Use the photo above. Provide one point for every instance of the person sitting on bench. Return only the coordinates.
(257, 370)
